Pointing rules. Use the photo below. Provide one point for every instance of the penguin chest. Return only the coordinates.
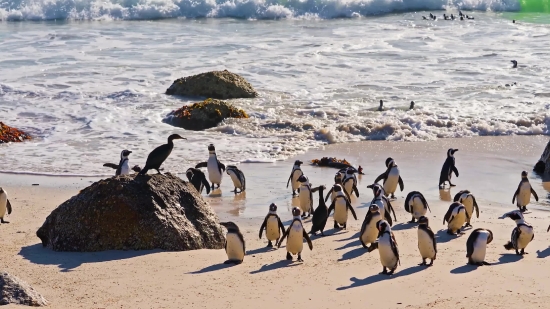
(214, 173)
(370, 234)
(348, 186)
(235, 179)
(524, 195)
(457, 221)
(295, 175)
(480, 249)
(3, 204)
(390, 185)
(234, 247)
(524, 237)
(468, 203)
(425, 245)
(381, 207)
(305, 201)
(272, 228)
(418, 209)
(387, 257)
(295, 241)
(125, 168)
(340, 211)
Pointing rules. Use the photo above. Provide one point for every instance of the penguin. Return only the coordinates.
(350, 182)
(452, 17)
(381, 107)
(455, 217)
(272, 224)
(369, 230)
(391, 178)
(320, 215)
(476, 246)
(306, 196)
(197, 178)
(5, 205)
(294, 175)
(214, 166)
(515, 64)
(469, 17)
(427, 244)
(445, 17)
(522, 234)
(424, 18)
(416, 205)
(460, 13)
(296, 235)
(448, 168)
(341, 205)
(123, 167)
(466, 198)
(387, 247)
(234, 244)
(523, 193)
(159, 155)
(237, 176)
(383, 202)
(337, 181)
(412, 105)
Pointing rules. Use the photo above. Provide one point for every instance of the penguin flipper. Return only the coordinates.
(391, 208)
(447, 217)
(205, 183)
(432, 236)
(221, 166)
(407, 200)
(534, 194)
(425, 202)
(242, 240)
(352, 210)
(263, 227)
(475, 206)
(328, 194)
(387, 216)
(401, 185)
(515, 194)
(306, 236)
(8, 206)
(381, 176)
(281, 225)
(455, 170)
(331, 208)
(285, 234)
(202, 164)
(355, 190)
(111, 165)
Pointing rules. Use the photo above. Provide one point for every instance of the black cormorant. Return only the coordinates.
(160, 154)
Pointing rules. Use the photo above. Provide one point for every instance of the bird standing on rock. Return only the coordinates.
(159, 155)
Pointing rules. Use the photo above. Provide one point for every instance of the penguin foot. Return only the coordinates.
(364, 245)
(373, 247)
(431, 263)
(450, 184)
(442, 186)
(412, 221)
(384, 271)
(237, 262)
(336, 225)
(450, 232)
(481, 263)
(392, 271)
(3, 221)
(299, 258)
(523, 252)
(228, 262)
(423, 262)
(323, 234)
(393, 196)
(288, 256)
(294, 193)
(345, 225)
(485, 263)
(269, 244)
(517, 252)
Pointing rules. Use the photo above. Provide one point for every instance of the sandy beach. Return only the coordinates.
(337, 272)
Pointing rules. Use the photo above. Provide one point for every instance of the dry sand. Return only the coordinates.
(338, 272)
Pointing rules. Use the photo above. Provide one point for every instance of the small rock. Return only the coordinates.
(16, 291)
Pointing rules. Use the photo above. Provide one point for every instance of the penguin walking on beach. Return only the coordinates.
(214, 166)
(466, 198)
(295, 235)
(237, 176)
(123, 167)
(341, 205)
(448, 168)
(416, 205)
(320, 215)
(427, 245)
(369, 229)
(272, 224)
(387, 247)
(337, 181)
(306, 196)
(5, 205)
(350, 182)
(383, 203)
(476, 246)
(455, 217)
(234, 244)
(391, 178)
(159, 155)
(294, 175)
(197, 178)
(522, 234)
(523, 193)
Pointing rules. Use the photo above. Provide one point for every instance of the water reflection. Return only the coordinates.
(445, 195)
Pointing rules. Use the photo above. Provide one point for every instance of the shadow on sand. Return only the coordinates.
(403, 226)
(379, 277)
(261, 250)
(357, 252)
(443, 237)
(544, 253)
(276, 265)
(504, 259)
(351, 245)
(212, 268)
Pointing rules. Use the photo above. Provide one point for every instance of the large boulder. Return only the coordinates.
(12, 135)
(215, 84)
(543, 165)
(16, 291)
(203, 115)
(136, 212)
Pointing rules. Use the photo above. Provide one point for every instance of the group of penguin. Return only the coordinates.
(451, 17)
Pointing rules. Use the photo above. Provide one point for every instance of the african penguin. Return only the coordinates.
(5, 205)
(387, 247)
(391, 178)
(237, 176)
(197, 178)
(214, 166)
(383, 202)
(427, 244)
(272, 224)
(515, 64)
(350, 182)
(466, 198)
(296, 234)
(455, 217)
(123, 167)
(341, 205)
(337, 181)
(476, 246)
(306, 196)
(448, 168)
(369, 230)
(381, 107)
(522, 234)
(320, 215)
(234, 244)
(416, 205)
(294, 175)
(523, 193)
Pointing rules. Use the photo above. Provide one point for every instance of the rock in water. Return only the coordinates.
(12, 135)
(133, 213)
(16, 291)
(543, 165)
(203, 115)
(215, 84)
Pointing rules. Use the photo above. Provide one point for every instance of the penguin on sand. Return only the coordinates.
(337, 181)
(197, 178)
(295, 235)
(234, 244)
(320, 215)
(455, 217)
(306, 196)
(387, 246)
(159, 155)
(427, 245)
(416, 205)
(123, 167)
(383, 202)
(448, 168)
(5, 205)
(350, 182)
(523, 193)
(214, 166)
(522, 234)
(369, 229)
(341, 205)
(272, 224)
(466, 198)
(294, 175)
(237, 176)
(391, 178)
(476, 246)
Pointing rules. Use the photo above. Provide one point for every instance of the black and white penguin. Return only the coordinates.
(320, 215)
(455, 217)
(337, 181)
(123, 167)
(159, 155)
(381, 107)
(197, 178)
(476, 246)
(306, 196)
(295, 235)
(387, 247)
(452, 17)
(5, 205)
(522, 234)
(272, 224)
(466, 198)
(383, 202)
(214, 166)
(234, 244)
(432, 16)
(523, 193)
(237, 176)
(427, 245)
(460, 13)
(369, 229)
(341, 205)
(448, 168)
(445, 17)
(294, 175)
(350, 182)
(412, 105)
(391, 178)
(416, 205)
(515, 64)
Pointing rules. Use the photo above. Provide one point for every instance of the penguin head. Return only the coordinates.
(374, 208)
(350, 171)
(381, 103)
(136, 168)
(337, 188)
(451, 152)
(514, 215)
(296, 212)
(382, 225)
(230, 226)
(389, 162)
(231, 168)
(412, 105)
(273, 208)
(298, 162)
(423, 220)
(302, 179)
(376, 189)
(515, 63)
(211, 148)
(490, 238)
(524, 174)
(1, 190)
(125, 153)
(189, 174)
(174, 136)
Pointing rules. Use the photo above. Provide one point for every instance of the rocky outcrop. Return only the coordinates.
(16, 291)
(215, 84)
(543, 165)
(133, 213)
(203, 115)
(12, 135)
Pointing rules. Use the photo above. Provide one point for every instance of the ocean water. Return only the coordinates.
(87, 78)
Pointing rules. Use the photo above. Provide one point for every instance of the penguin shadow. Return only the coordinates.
(354, 236)
(356, 282)
(276, 265)
(445, 195)
(355, 253)
(442, 236)
(261, 250)
(544, 253)
(211, 268)
(364, 205)
(352, 244)
(464, 269)
(241, 196)
(508, 258)
(403, 226)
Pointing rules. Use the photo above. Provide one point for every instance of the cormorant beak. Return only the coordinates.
(369, 186)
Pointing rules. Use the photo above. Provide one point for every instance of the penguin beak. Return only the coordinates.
(369, 186)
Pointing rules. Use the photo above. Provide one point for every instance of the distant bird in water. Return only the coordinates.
(452, 17)
(515, 64)
(513, 21)
(461, 17)
(159, 155)
(511, 84)
(381, 107)
(446, 17)
(424, 18)
(460, 13)
(412, 105)
(432, 16)
(469, 17)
